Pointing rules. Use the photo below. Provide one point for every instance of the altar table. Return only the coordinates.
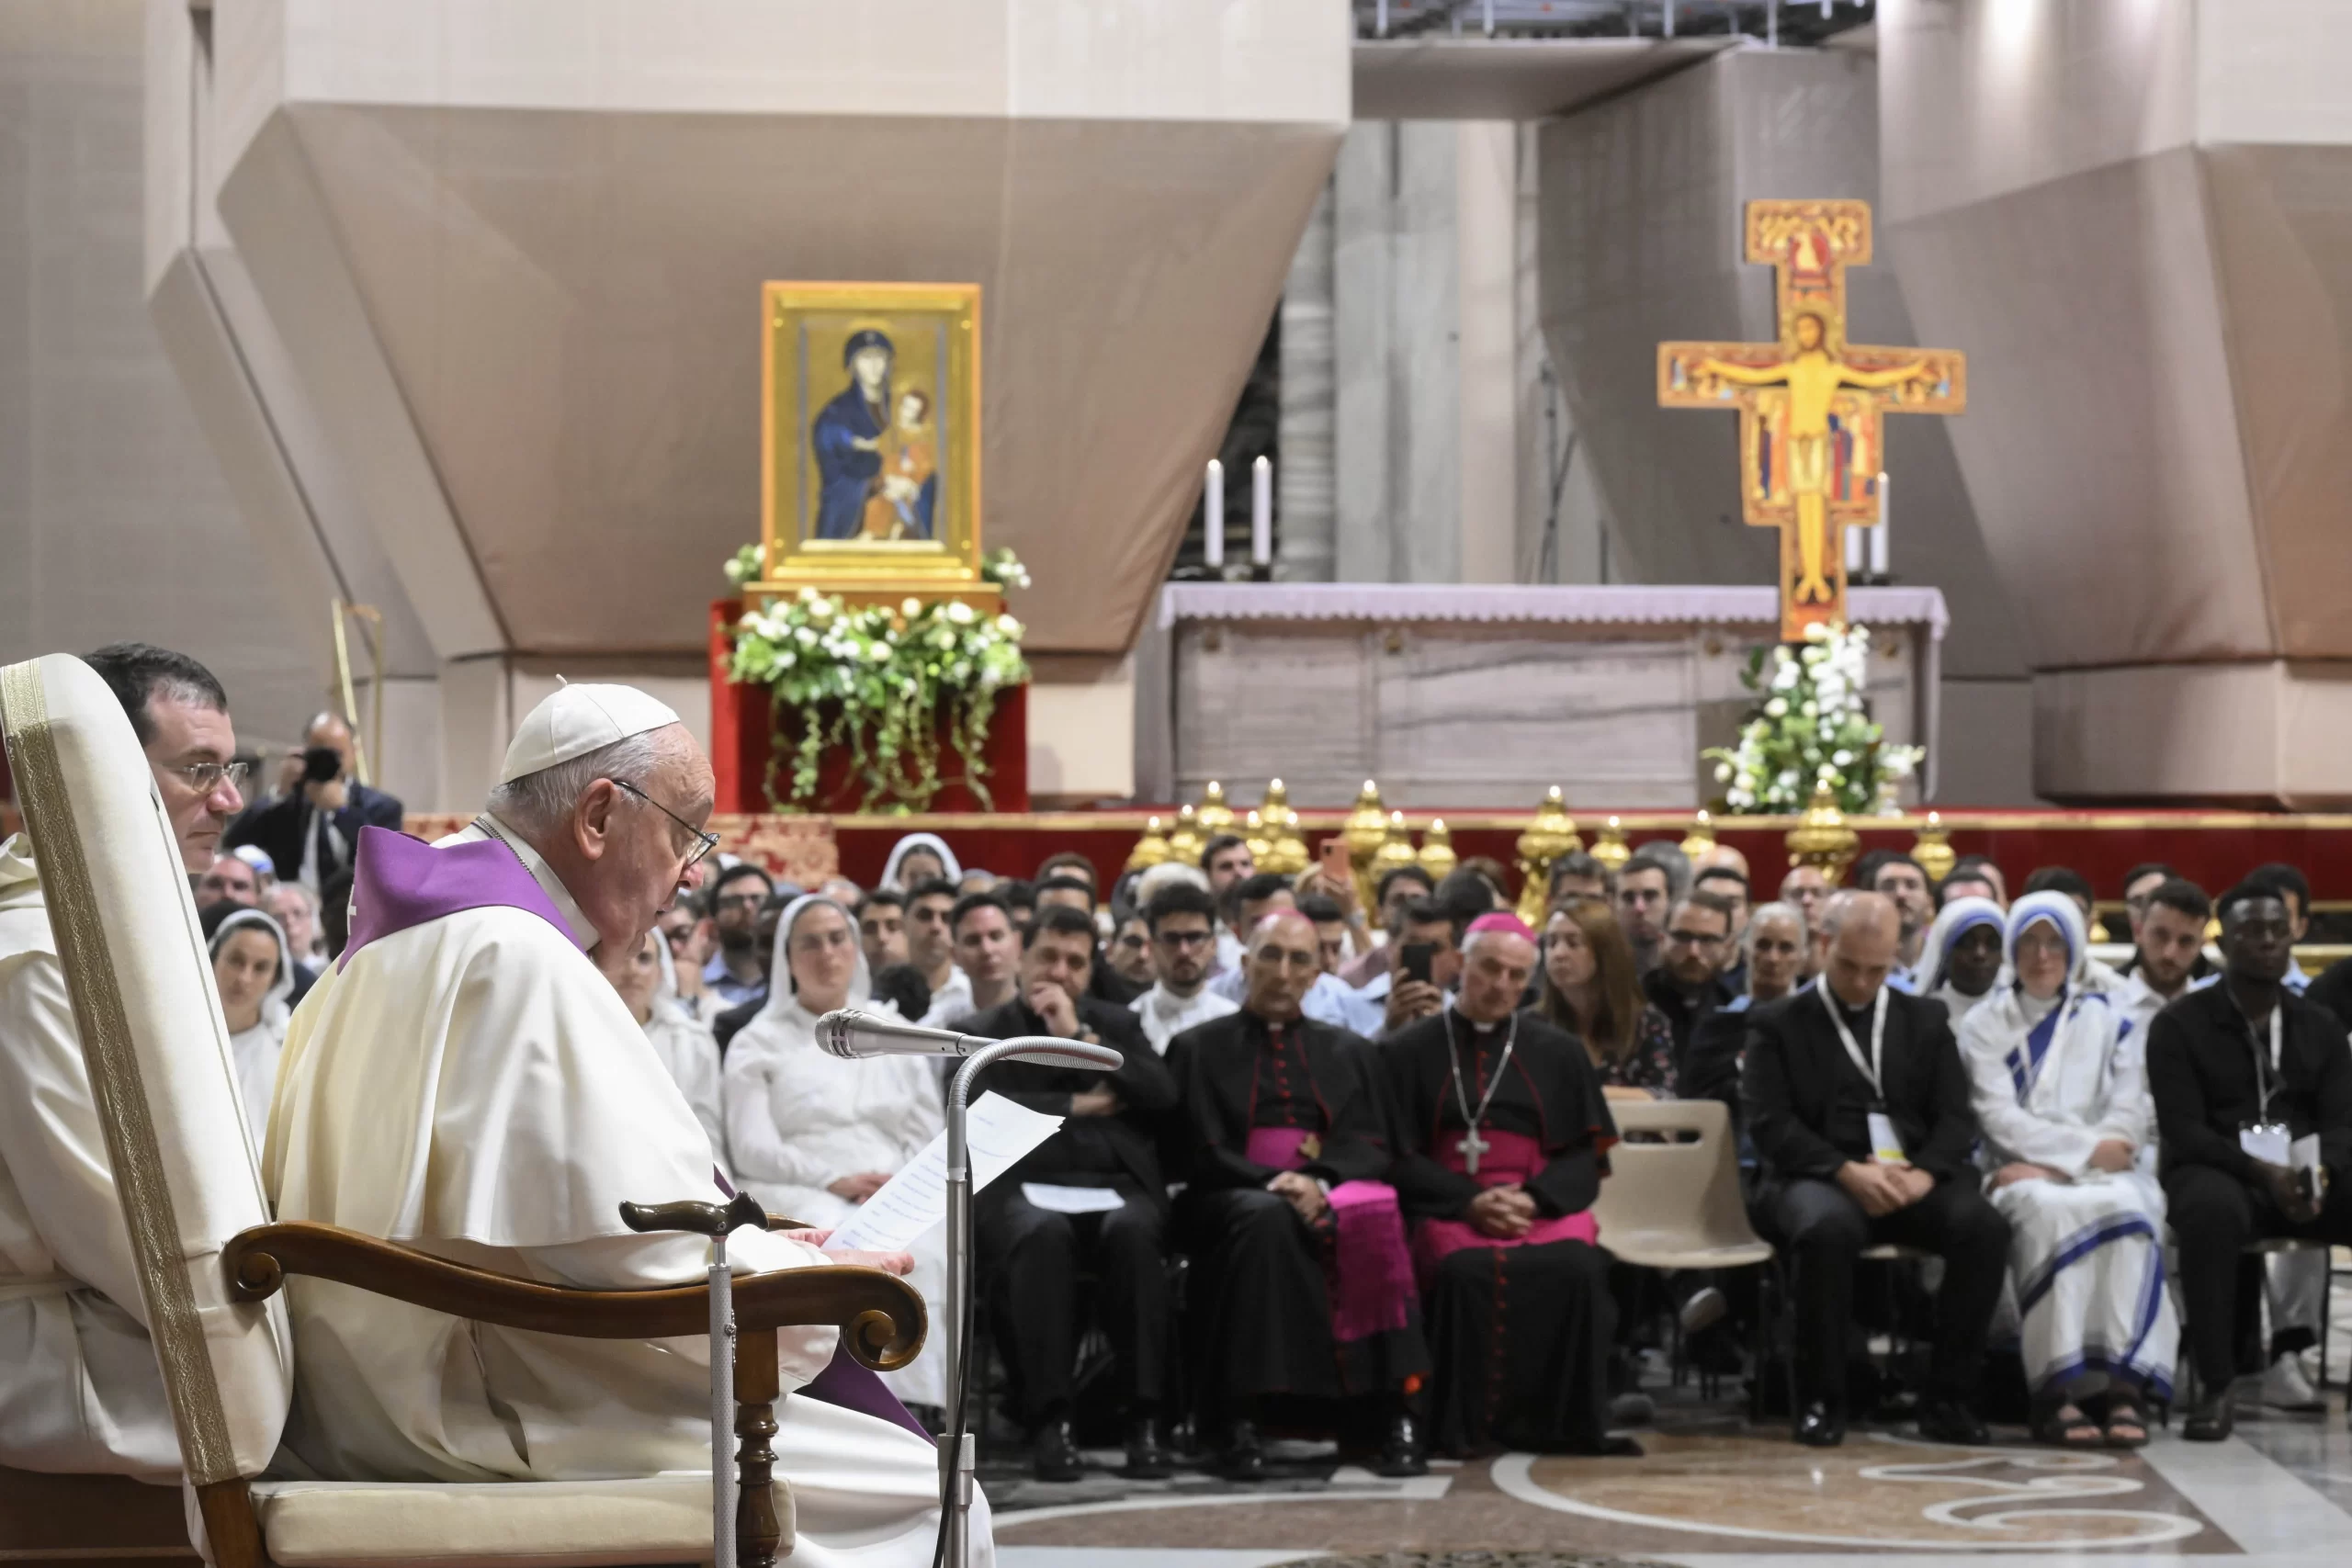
(1476, 695)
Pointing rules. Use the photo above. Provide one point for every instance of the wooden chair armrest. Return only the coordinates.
(881, 1317)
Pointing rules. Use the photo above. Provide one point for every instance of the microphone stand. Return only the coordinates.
(957, 1455)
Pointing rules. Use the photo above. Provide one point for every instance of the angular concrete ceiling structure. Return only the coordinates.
(508, 255)
(2137, 218)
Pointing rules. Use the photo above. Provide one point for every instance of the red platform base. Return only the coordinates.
(743, 745)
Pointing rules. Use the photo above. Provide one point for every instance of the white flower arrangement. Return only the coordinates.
(878, 680)
(1811, 726)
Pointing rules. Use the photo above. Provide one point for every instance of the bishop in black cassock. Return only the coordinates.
(1303, 1284)
(1502, 1140)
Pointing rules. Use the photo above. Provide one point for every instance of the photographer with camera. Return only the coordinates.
(313, 829)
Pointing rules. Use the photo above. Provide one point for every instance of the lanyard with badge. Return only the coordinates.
(2265, 1139)
(1885, 1143)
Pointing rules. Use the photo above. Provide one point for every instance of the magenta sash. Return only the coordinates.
(1509, 1157)
(1368, 1270)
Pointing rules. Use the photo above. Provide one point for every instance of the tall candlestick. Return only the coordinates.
(1853, 550)
(1212, 515)
(1879, 534)
(1262, 511)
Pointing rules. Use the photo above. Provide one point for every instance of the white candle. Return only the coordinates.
(1212, 515)
(1262, 511)
(1879, 534)
(1853, 550)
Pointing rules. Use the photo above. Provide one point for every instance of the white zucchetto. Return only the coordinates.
(575, 720)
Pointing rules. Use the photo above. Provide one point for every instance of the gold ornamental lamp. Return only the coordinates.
(1214, 815)
(1151, 849)
(1552, 833)
(1395, 850)
(1612, 851)
(1822, 838)
(1253, 833)
(1365, 827)
(1287, 850)
(1437, 850)
(1187, 841)
(1700, 838)
(1933, 849)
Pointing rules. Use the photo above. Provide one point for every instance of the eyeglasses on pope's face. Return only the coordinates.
(703, 842)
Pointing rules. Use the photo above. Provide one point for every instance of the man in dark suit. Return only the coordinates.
(1030, 1253)
(313, 830)
(1858, 1108)
(2241, 1071)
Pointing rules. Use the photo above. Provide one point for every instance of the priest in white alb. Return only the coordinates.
(466, 1082)
(79, 1389)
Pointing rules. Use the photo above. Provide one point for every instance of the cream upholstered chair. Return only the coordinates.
(209, 1262)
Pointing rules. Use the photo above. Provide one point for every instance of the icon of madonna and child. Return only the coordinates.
(877, 450)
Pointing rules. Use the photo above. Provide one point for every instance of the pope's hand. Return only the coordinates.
(898, 1263)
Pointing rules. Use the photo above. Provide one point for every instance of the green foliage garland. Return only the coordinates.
(878, 682)
(1810, 725)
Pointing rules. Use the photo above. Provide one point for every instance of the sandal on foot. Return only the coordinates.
(2126, 1428)
(2068, 1428)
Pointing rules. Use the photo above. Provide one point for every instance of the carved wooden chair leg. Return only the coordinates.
(758, 1530)
(230, 1526)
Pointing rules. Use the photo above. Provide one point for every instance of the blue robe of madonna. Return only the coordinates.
(845, 474)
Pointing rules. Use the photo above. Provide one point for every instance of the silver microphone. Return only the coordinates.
(850, 1033)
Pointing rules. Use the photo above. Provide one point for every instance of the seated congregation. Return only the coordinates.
(1353, 1179)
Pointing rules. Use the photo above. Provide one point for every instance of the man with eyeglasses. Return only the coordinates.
(466, 1080)
(739, 971)
(1687, 983)
(81, 1391)
(1182, 920)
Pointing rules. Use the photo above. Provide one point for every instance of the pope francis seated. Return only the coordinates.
(464, 1081)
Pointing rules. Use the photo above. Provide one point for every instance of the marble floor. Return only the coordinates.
(1710, 1493)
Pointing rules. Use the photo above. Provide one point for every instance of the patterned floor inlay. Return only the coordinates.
(1717, 1490)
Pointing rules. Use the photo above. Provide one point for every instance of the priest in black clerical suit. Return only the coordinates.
(2212, 1075)
(1834, 1184)
(1515, 1287)
(1303, 1285)
(1030, 1255)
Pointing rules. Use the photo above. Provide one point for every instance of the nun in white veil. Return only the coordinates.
(813, 1136)
(894, 870)
(2059, 1081)
(649, 986)
(253, 969)
(1958, 967)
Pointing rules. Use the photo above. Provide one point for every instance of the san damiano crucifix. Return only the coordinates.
(1809, 405)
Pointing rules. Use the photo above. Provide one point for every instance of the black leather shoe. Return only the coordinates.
(1245, 1453)
(1401, 1452)
(1147, 1460)
(2210, 1419)
(1947, 1421)
(1818, 1427)
(1054, 1455)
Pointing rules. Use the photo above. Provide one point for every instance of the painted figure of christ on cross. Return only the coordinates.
(1809, 405)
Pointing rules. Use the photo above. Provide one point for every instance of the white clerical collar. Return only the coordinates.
(541, 872)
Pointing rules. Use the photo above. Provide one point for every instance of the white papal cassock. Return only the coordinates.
(472, 1086)
(79, 1388)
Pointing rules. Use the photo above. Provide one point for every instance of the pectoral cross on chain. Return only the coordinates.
(1471, 1147)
